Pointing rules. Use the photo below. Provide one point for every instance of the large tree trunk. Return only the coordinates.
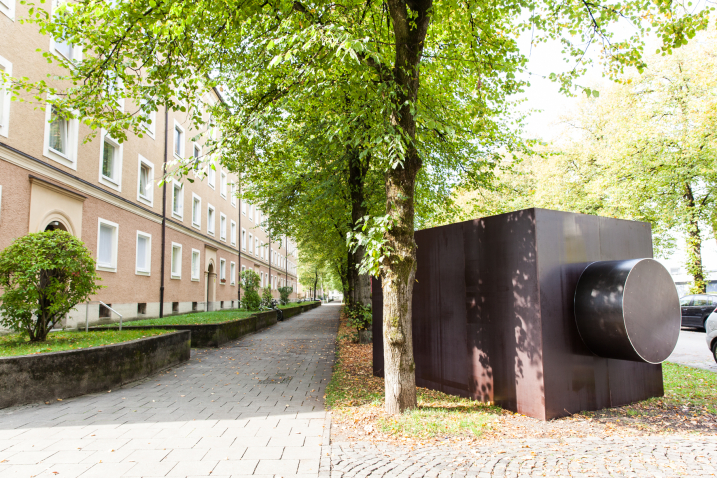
(399, 273)
(694, 245)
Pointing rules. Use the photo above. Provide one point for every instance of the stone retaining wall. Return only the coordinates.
(49, 376)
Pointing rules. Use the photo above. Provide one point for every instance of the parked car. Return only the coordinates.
(711, 329)
(696, 309)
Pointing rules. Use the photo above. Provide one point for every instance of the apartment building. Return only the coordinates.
(199, 234)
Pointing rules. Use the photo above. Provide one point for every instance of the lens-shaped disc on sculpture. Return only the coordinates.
(628, 310)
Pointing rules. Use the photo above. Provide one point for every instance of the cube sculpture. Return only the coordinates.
(542, 312)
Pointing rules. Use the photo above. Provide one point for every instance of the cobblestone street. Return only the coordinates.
(634, 457)
(252, 407)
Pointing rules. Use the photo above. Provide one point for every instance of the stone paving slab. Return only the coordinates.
(253, 407)
(659, 457)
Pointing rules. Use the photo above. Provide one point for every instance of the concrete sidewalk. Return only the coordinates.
(253, 407)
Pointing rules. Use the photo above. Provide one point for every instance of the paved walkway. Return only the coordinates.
(253, 407)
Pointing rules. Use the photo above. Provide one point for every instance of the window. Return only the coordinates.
(210, 219)
(257, 247)
(243, 239)
(195, 265)
(7, 7)
(223, 184)
(250, 215)
(211, 175)
(59, 46)
(177, 200)
(5, 67)
(263, 252)
(149, 118)
(111, 162)
(257, 215)
(196, 154)
(222, 227)
(251, 244)
(178, 140)
(61, 137)
(700, 301)
(196, 211)
(107, 246)
(243, 268)
(232, 273)
(243, 207)
(145, 181)
(261, 275)
(144, 253)
(233, 192)
(176, 261)
(222, 271)
(685, 301)
(233, 233)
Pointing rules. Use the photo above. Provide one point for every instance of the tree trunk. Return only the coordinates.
(399, 273)
(694, 245)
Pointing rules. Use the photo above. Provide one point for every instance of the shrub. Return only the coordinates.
(266, 297)
(44, 275)
(284, 294)
(250, 283)
(359, 317)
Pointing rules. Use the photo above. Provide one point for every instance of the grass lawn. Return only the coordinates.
(291, 305)
(193, 319)
(356, 397)
(16, 344)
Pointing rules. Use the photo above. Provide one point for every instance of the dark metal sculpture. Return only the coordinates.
(494, 314)
(626, 310)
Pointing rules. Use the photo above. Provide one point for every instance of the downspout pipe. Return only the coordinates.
(239, 242)
(164, 214)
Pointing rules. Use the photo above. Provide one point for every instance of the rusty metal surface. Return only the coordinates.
(628, 310)
(493, 312)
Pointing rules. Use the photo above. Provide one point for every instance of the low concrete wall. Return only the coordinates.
(214, 335)
(49, 376)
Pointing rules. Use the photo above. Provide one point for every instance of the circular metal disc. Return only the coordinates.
(651, 310)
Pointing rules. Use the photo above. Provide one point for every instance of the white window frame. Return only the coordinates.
(223, 184)
(177, 186)
(233, 192)
(197, 221)
(251, 244)
(232, 273)
(73, 128)
(115, 241)
(256, 244)
(182, 144)
(5, 95)
(197, 254)
(222, 226)
(148, 200)
(222, 271)
(211, 175)
(243, 239)
(151, 127)
(175, 274)
(148, 271)
(115, 182)
(9, 9)
(243, 268)
(243, 207)
(233, 233)
(76, 49)
(211, 226)
(250, 215)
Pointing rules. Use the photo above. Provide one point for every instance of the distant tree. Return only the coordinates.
(250, 283)
(266, 297)
(284, 294)
(44, 275)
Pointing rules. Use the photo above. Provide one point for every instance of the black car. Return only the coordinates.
(696, 309)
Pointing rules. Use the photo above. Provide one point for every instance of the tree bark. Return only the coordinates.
(694, 245)
(399, 273)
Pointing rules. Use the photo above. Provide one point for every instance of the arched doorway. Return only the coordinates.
(55, 226)
(211, 277)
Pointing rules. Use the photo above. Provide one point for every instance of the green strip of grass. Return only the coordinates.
(16, 344)
(291, 305)
(194, 319)
(686, 385)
